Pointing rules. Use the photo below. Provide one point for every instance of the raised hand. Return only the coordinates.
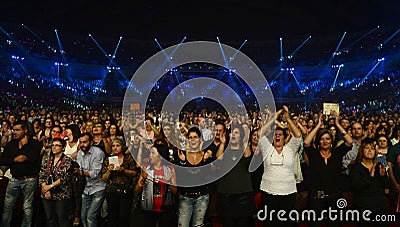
(382, 170)
(372, 170)
(110, 167)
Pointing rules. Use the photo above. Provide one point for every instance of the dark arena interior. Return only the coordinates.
(119, 63)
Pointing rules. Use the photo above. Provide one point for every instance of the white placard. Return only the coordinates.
(113, 160)
(329, 107)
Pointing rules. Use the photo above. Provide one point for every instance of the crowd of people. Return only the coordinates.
(111, 168)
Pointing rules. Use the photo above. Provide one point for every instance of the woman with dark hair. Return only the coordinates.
(37, 127)
(278, 184)
(113, 132)
(48, 124)
(54, 133)
(334, 132)
(369, 180)
(119, 193)
(54, 179)
(235, 203)
(325, 163)
(73, 132)
(168, 133)
(6, 134)
(155, 179)
(253, 147)
(193, 200)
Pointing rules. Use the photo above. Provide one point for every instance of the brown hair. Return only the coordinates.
(364, 143)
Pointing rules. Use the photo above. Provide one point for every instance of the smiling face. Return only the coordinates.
(194, 141)
(255, 138)
(154, 156)
(382, 142)
(325, 141)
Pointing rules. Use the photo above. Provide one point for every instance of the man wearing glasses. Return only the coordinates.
(22, 155)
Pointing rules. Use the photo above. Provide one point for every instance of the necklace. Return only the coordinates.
(194, 156)
(325, 155)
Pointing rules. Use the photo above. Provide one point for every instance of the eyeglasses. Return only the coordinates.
(382, 141)
(56, 145)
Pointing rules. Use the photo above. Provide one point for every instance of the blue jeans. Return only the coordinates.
(56, 212)
(196, 206)
(91, 205)
(27, 187)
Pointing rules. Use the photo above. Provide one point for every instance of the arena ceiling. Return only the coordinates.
(230, 20)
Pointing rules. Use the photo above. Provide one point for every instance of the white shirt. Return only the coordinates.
(70, 150)
(278, 177)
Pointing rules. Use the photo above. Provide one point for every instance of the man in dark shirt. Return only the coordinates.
(220, 129)
(22, 155)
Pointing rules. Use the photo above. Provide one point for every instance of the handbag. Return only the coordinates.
(169, 201)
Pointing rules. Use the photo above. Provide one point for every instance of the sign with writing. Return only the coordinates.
(135, 106)
(329, 107)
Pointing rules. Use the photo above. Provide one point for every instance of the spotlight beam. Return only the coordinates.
(111, 62)
(233, 58)
(370, 71)
(108, 57)
(391, 37)
(115, 52)
(337, 74)
(236, 52)
(37, 36)
(22, 66)
(281, 48)
(116, 48)
(359, 39)
(223, 53)
(276, 77)
(297, 82)
(337, 48)
(98, 45)
(168, 58)
(61, 47)
(12, 39)
(300, 46)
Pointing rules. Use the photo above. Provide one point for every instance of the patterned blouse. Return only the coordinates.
(119, 179)
(62, 172)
